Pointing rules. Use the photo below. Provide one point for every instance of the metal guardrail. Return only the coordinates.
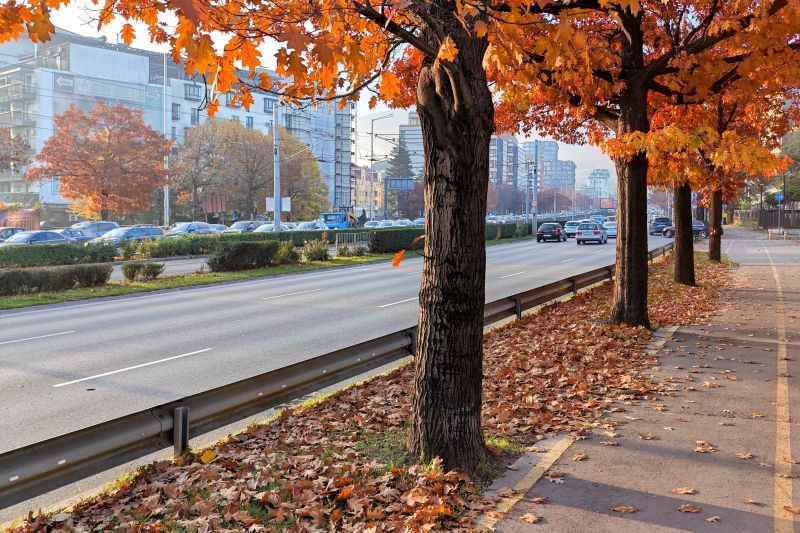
(38, 468)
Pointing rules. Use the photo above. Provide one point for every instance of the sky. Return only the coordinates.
(77, 17)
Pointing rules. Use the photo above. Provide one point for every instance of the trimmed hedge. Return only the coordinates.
(143, 270)
(494, 232)
(393, 240)
(56, 278)
(39, 255)
(228, 256)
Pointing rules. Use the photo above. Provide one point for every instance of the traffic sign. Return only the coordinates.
(778, 196)
(64, 82)
(724, 207)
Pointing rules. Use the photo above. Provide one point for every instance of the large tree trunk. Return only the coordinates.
(630, 283)
(456, 130)
(684, 237)
(715, 238)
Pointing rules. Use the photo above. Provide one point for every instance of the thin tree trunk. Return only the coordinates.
(630, 284)
(684, 238)
(715, 238)
(194, 201)
(446, 412)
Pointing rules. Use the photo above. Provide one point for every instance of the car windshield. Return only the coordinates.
(183, 226)
(115, 233)
(572, 223)
(587, 226)
(333, 217)
(24, 236)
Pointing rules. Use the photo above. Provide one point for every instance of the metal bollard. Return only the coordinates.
(518, 307)
(180, 431)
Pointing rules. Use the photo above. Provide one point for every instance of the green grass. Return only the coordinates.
(121, 288)
(508, 241)
(385, 447)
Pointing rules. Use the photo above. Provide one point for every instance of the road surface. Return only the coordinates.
(73, 365)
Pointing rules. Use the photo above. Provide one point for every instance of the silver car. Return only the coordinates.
(591, 232)
(611, 229)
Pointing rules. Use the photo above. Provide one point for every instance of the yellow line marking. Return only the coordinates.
(784, 520)
(488, 521)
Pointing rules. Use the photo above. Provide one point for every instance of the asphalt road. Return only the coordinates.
(70, 366)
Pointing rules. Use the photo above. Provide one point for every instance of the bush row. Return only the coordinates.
(54, 254)
(39, 279)
(248, 255)
(142, 270)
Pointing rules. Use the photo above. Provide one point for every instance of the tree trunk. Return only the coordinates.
(684, 237)
(456, 130)
(715, 238)
(104, 207)
(630, 283)
(194, 201)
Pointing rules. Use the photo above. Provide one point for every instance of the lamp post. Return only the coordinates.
(371, 164)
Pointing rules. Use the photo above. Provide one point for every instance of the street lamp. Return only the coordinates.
(371, 164)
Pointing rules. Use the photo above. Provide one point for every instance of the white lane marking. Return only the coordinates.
(514, 274)
(598, 252)
(413, 273)
(490, 258)
(37, 337)
(104, 374)
(568, 260)
(728, 249)
(396, 303)
(290, 294)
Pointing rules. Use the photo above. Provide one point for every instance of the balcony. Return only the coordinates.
(17, 92)
(15, 119)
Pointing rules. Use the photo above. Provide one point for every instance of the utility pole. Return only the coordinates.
(164, 125)
(528, 193)
(276, 174)
(535, 225)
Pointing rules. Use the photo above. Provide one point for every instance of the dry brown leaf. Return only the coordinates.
(793, 510)
(645, 436)
(580, 457)
(690, 508)
(539, 499)
(684, 490)
(713, 519)
(624, 509)
(530, 518)
(744, 455)
(609, 443)
(753, 502)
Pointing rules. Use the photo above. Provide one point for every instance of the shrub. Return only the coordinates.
(142, 270)
(507, 231)
(343, 251)
(56, 278)
(128, 249)
(55, 255)
(359, 250)
(316, 250)
(491, 232)
(287, 254)
(228, 256)
(523, 228)
(395, 239)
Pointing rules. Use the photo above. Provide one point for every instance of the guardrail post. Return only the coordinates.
(574, 286)
(180, 430)
(413, 346)
(518, 307)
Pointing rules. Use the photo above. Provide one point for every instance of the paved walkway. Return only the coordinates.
(736, 383)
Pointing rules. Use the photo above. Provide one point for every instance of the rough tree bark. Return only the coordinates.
(684, 237)
(715, 238)
(457, 119)
(630, 283)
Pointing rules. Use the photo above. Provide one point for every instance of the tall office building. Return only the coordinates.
(548, 151)
(599, 183)
(39, 82)
(505, 160)
(411, 140)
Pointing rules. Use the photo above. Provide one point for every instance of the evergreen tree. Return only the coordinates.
(399, 167)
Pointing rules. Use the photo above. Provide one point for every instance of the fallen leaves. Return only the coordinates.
(530, 518)
(793, 510)
(713, 519)
(751, 501)
(624, 509)
(684, 490)
(207, 456)
(690, 508)
(580, 457)
(704, 447)
(645, 436)
(539, 499)
(744, 455)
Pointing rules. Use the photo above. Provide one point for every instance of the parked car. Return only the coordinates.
(658, 225)
(371, 224)
(220, 227)
(268, 227)
(182, 229)
(571, 227)
(75, 234)
(402, 222)
(418, 222)
(591, 232)
(8, 231)
(386, 224)
(244, 226)
(611, 229)
(314, 225)
(35, 237)
(129, 233)
(550, 231)
(95, 228)
(700, 229)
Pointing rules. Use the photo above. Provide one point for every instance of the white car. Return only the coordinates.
(591, 232)
(611, 229)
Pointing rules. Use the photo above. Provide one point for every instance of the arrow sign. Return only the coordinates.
(778, 196)
(64, 82)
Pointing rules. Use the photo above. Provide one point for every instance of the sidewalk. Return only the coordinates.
(726, 434)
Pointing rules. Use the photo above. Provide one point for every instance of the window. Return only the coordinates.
(174, 133)
(269, 103)
(231, 100)
(192, 92)
(176, 111)
(249, 122)
(234, 118)
(195, 117)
